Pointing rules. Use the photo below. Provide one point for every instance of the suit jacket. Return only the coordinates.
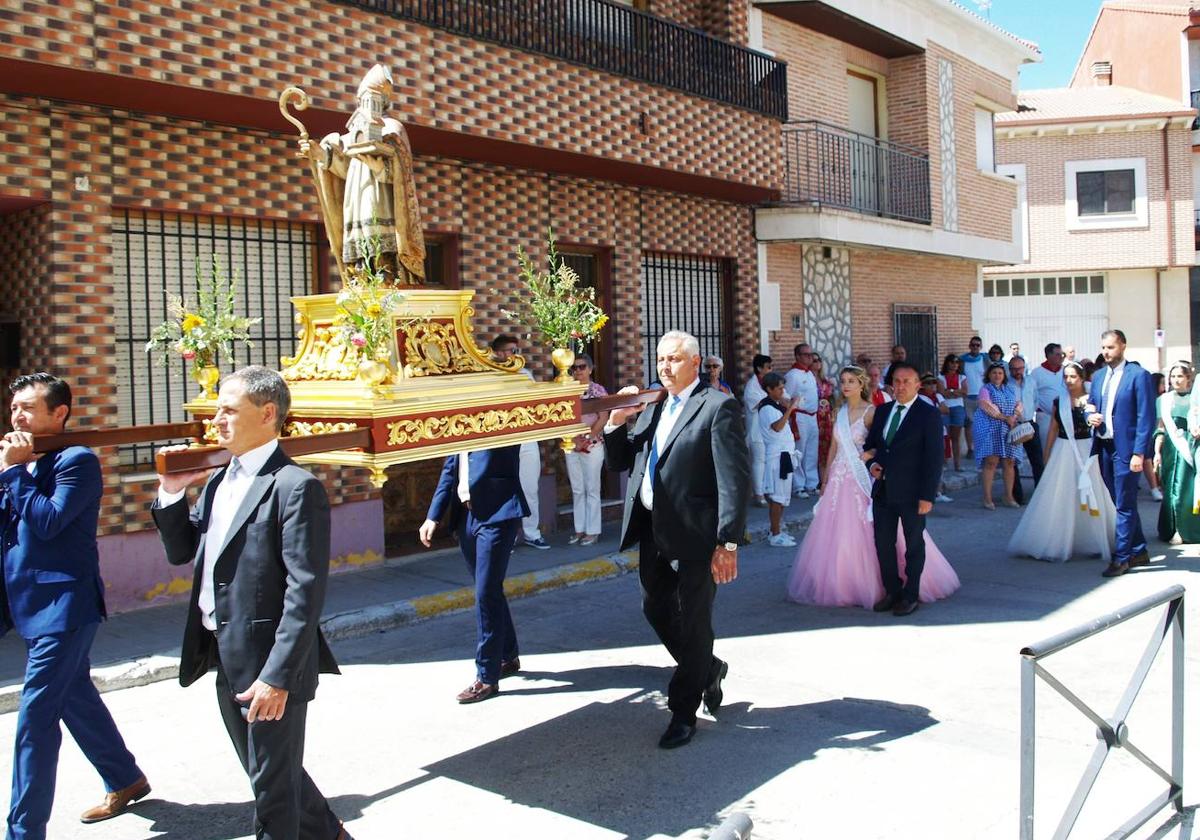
(48, 544)
(269, 581)
(494, 481)
(912, 465)
(701, 481)
(1134, 413)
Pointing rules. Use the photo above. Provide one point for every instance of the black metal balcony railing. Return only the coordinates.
(831, 166)
(1196, 222)
(1196, 105)
(611, 37)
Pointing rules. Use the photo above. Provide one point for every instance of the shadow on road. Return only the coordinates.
(600, 764)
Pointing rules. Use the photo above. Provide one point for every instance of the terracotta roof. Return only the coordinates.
(1083, 103)
(968, 10)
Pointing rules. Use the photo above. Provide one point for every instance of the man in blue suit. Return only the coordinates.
(1123, 421)
(53, 597)
(482, 491)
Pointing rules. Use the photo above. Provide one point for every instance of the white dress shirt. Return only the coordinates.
(1049, 386)
(464, 478)
(903, 414)
(1029, 393)
(1112, 381)
(803, 385)
(666, 422)
(227, 499)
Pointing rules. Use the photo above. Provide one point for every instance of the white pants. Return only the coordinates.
(758, 454)
(531, 471)
(583, 468)
(807, 446)
(779, 490)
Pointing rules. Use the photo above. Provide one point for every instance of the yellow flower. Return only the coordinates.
(373, 309)
(190, 322)
(600, 322)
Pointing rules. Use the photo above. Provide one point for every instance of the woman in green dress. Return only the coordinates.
(1175, 460)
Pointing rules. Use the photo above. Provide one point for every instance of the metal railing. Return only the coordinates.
(1196, 228)
(1196, 105)
(612, 37)
(1112, 732)
(832, 166)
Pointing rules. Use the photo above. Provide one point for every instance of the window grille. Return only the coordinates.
(689, 293)
(916, 328)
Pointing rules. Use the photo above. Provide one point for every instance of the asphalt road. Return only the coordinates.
(839, 723)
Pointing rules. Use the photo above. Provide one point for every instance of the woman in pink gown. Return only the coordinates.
(836, 565)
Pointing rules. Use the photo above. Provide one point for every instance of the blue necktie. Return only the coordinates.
(671, 409)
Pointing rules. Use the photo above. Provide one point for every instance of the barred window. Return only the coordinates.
(690, 293)
(155, 252)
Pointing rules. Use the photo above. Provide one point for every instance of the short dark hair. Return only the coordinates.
(896, 347)
(997, 365)
(760, 359)
(975, 338)
(899, 366)
(504, 338)
(1051, 347)
(57, 391)
(796, 349)
(1117, 334)
(772, 380)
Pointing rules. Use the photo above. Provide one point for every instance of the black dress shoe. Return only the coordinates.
(887, 602)
(1142, 558)
(678, 733)
(714, 695)
(1115, 569)
(905, 607)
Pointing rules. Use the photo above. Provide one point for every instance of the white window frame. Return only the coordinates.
(982, 164)
(1139, 218)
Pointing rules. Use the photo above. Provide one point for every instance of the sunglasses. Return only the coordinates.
(579, 367)
(712, 367)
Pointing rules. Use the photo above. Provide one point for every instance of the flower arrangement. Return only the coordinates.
(555, 304)
(364, 310)
(199, 333)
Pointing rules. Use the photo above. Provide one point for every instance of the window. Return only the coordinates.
(985, 140)
(1104, 192)
(441, 261)
(690, 293)
(156, 252)
(1038, 286)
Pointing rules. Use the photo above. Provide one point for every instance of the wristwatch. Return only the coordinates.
(730, 546)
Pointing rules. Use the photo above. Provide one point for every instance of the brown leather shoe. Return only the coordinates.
(477, 691)
(117, 802)
(1115, 569)
(512, 666)
(1142, 558)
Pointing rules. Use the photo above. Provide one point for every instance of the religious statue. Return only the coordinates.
(365, 182)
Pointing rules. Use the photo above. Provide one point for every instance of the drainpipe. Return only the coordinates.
(1166, 146)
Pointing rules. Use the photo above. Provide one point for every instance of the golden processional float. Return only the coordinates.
(433, 392)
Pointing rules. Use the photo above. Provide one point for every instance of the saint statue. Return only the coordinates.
(365, 178)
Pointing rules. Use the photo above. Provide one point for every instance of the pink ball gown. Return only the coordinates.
(836, 565)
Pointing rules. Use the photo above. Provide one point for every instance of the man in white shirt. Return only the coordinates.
(503, 348)
(1027, 393)
(974, 364)
(800, 383)
(1048, 377)
(259, 539)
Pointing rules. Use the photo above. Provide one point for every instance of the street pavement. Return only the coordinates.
(838, 723)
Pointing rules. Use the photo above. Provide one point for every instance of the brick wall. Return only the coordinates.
(817, 87)
(1053, 247)
(443, 81)
(156, 163)
(785, 267)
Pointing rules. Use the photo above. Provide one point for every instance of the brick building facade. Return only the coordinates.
(138, 136)
(891, 200)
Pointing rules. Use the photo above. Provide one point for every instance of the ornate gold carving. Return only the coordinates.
(298, 428)
(404, 432)
(326, 355)
(510, 365)
(209, 438)
(433, 347)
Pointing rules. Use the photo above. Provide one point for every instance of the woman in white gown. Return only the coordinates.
(1071, 512)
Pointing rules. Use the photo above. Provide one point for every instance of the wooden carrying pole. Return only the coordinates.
(208, 457)
(117, 437)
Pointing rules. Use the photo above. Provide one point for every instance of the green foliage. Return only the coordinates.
(555, 304)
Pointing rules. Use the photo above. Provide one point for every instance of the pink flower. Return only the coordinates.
(358, 340)
(188, 354)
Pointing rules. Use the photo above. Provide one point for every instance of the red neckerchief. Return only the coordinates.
(878, 398)
(799, 366)
(1046, 365)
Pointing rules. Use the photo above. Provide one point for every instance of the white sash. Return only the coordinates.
(1083, 483)
(849, 450)
(1179, 439)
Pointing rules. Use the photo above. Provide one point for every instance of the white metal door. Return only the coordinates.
(1034, 311)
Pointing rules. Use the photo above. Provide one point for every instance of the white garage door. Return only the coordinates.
(1034, 311)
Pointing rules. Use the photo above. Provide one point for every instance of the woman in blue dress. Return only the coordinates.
(999, 410)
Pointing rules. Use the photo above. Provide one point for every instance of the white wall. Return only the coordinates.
(1131, 308)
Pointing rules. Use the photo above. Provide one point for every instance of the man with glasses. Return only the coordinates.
(504, 347)
(974, 363)
(802, 384)
(1029, 396)
(1048, 377)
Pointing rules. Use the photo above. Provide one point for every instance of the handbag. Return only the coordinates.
(1021, 433)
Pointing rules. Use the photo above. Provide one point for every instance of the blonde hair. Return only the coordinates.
(864, 382)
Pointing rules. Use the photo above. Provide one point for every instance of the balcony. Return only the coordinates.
(1196, 104)
(832, 167)
(611, 37)
(1196, 227)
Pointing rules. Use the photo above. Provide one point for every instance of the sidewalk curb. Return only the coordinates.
(379, 618)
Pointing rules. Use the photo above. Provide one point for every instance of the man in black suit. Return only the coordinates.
(259, 538)
(905, 449)
(686, 508)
